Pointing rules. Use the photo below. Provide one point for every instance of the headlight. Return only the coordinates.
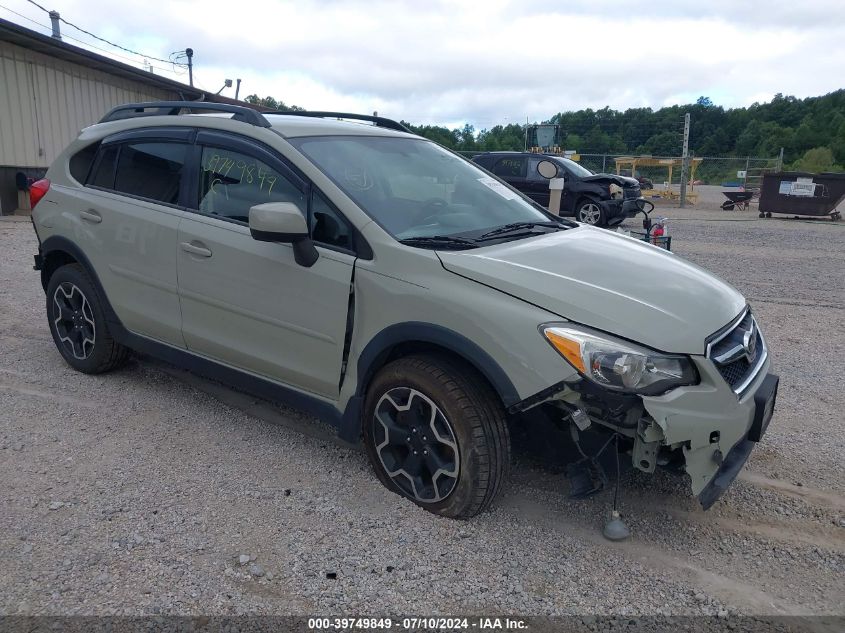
(619, 365)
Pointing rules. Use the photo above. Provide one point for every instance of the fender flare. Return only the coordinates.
(376, 351)
(419, 332)
(58, 243)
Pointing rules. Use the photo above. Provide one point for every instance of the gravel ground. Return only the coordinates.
(149, 490)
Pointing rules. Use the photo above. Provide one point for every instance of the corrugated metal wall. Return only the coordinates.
(44, 102)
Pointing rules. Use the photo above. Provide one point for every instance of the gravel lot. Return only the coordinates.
(152, 491)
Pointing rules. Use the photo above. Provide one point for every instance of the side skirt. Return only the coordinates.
(229, 376)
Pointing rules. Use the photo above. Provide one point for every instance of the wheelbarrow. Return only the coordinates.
(737, 200)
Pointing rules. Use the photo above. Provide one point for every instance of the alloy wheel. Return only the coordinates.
(416, 445)
(589, 213)
(73, 319)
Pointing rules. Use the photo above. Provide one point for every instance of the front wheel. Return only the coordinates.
(590, 212)
(436, 434)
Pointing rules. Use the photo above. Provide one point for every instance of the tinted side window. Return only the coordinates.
(80, 163)
(232, 182)
(327, 225)
(513, 167)
(151, 170)
(103, 173)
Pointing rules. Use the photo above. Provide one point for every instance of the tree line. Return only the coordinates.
(811, 131)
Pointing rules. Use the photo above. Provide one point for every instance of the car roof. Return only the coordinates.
(291, 126)
(288, 126)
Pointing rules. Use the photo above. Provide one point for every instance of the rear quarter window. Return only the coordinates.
(80, 163)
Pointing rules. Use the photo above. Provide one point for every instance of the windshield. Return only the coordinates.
(575, 168)
(416, 189)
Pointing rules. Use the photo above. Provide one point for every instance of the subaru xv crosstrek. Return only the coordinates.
(394, 289)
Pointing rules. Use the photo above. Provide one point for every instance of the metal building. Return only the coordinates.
(49, 90)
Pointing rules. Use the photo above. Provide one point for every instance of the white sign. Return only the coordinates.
(807, 189)
(740, 173)
(804, 187)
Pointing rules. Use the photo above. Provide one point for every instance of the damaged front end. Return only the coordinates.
(696, 414)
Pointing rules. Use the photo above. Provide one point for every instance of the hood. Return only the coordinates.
(609, 282)
(622, 181)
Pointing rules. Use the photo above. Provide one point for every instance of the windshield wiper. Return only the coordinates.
(520, 227)
(444, 241)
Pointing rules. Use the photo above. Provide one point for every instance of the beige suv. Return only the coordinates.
(394, 289)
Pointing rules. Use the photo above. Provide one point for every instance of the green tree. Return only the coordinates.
(270, 102)
(816, 160)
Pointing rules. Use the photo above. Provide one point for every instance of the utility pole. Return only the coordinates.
(190, 54)
(237, 89)
(525, 136)
(685, 162)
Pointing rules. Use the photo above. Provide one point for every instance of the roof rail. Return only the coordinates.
(380, 121)
(173, 108)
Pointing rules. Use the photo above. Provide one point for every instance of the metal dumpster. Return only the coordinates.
(802, 193)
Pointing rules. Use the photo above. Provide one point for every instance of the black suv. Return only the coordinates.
(600, 199)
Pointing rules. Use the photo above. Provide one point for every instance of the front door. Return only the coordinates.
(248, 303)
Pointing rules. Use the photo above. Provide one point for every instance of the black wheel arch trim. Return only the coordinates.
(380, 346)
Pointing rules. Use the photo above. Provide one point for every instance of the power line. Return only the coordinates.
(89, 45)
(97, 37)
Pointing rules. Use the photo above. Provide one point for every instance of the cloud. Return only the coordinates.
(488, 62)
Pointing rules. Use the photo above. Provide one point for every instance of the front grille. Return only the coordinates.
(632, 192)
(737, 362)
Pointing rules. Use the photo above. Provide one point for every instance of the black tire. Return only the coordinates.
(473, 416)
(76, 321)
(590, 212)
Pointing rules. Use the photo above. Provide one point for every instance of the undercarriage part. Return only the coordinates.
(586, 478)
(645, 455)
(615, 529)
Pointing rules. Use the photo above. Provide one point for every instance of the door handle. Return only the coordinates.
(91, 216)
(199, 251)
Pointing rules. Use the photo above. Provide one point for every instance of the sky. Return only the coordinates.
(479, 62)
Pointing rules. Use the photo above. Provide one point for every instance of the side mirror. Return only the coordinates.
(547, 169)
(283, 222)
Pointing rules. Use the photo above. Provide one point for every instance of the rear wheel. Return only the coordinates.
(590, 212)
(435, 433)
(76, 320)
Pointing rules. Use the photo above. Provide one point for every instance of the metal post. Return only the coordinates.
(190, 54)
(685, 162)
(237, 89)
(525, 136)
(604, 164)
(54, 19)
(745, 180)
(780, 160)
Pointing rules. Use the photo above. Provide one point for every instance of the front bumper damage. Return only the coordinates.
(764, 404)
(715, 428)
(706, 430)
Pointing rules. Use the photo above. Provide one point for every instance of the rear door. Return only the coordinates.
(127, 225)
(248, 303)
(537, 187)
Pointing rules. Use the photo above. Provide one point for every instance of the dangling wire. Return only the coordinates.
(616, 487)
